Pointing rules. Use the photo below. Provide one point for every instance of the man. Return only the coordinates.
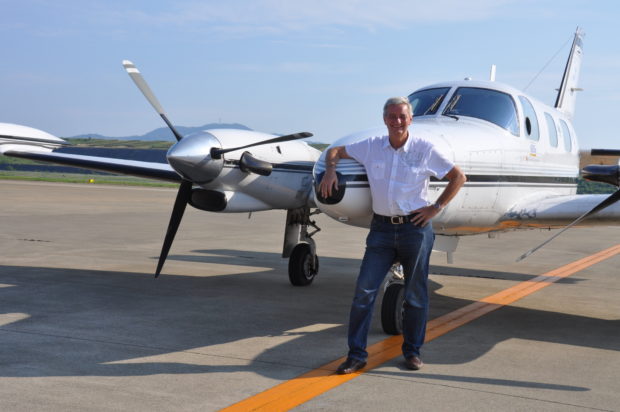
(398, 167)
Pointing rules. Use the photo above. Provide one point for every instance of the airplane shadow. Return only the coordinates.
(69, 322)
(492, 274)
(243, 258)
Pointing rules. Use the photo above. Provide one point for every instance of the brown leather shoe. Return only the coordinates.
(349, 366)
(414, 363)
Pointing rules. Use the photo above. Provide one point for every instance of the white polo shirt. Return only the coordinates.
(399, 178)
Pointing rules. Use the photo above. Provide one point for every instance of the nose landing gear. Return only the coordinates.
(299, 247)
(393, 300)
(303, 265)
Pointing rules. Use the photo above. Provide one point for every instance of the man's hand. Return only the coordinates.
(456, 179)
(329, 183)
(423, 215)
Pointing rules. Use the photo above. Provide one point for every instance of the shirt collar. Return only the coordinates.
(386, 143)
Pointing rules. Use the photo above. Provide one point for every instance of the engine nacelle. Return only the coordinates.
(15, 137)
(352, 202)
(226, 201)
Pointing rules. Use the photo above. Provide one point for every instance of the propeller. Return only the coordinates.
(605, 152)
(608, 201)
(137, 78)
(189, 158)
(248, 163)
(217, 153)
(183, 195)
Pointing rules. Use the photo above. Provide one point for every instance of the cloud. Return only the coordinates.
(277, 16)
(242, 18)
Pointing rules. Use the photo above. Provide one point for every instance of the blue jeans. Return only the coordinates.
(386, 243)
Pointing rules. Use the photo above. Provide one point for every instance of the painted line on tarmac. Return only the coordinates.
(303, 388)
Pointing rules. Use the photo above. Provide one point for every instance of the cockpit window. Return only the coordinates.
(426, 102)
(486, 104)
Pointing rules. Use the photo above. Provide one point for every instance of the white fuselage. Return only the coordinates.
(503, 165)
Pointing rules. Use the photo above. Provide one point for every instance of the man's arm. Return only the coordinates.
(456, 179)
(330, 180)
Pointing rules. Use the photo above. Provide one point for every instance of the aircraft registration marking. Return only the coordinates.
(303, 388)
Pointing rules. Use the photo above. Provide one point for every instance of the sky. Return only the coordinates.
(323, 66)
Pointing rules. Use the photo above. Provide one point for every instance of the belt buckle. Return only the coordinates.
(396, 220)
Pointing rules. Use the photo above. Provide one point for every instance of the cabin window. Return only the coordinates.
(426, 102)
(486, 104)
(530, 119)
(553, 134)
(566, 136)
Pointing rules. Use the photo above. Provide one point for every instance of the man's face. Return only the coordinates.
(397, 119)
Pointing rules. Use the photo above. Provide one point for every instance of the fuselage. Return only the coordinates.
(508, 144)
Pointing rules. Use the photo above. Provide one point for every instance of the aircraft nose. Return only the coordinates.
(191, 157)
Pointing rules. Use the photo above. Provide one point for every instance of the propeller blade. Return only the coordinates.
(250, 164)
(605, 152)
(609, 174)
(608, 201)
(185, 191)
(137, 78)
(217, 153)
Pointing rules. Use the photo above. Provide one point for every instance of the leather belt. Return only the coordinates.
(395, 220)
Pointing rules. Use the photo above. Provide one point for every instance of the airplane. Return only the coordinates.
(520, 156)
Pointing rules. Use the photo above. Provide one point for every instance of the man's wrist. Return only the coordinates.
(437, 206)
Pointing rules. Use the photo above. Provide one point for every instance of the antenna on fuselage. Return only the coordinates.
(546, 64)
(492, 74)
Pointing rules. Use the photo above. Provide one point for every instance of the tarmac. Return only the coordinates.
(84, 326)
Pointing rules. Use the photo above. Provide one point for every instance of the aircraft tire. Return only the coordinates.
(299, 271)
(392, 309)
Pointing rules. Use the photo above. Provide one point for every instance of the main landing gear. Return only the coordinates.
(393, 301)
(299, 247)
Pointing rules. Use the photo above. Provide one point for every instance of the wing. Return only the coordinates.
(557, 211)
(150, 170)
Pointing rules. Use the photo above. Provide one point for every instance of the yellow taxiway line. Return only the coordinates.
(294, 392)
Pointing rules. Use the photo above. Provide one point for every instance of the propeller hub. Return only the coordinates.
(191, 157)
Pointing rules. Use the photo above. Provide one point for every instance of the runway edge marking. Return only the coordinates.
(303, 388)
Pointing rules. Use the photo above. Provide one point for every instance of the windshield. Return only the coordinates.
(426, 102)
(490, 105)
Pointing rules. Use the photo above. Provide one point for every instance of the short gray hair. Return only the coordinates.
(397, 100)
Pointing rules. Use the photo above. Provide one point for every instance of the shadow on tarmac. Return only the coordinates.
(483, 381)
(100, 323)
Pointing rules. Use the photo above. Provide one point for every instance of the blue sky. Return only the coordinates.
(324, 66)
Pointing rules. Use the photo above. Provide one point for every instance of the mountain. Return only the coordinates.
(164, 133)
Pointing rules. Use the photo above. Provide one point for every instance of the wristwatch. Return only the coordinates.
(437, 206)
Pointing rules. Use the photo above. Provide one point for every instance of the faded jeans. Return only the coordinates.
(386, 243)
